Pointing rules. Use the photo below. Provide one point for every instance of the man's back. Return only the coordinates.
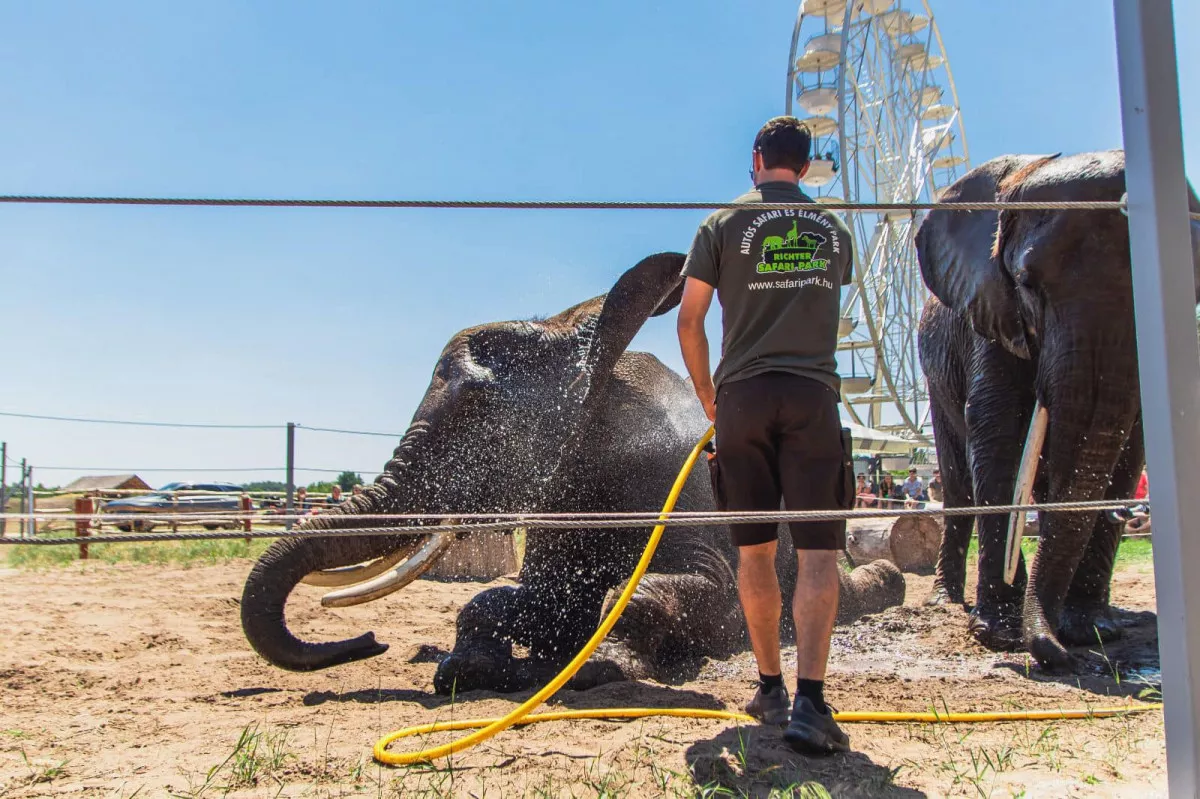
(773, 404)
(777, 274)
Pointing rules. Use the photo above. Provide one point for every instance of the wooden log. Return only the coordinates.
(910, 542)
(867, 539)
(479, 556)
(915, 541)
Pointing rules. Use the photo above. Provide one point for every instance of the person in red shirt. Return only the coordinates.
(1143, 487)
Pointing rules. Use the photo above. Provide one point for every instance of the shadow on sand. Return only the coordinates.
(1127, 667)
(754, 761)
(623, 694)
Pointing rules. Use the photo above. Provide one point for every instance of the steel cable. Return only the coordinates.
(504, 522)
(619, 205)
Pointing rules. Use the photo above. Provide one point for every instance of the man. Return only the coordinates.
(335, 496)
(773, 402)
(912, 486)
(935, 486)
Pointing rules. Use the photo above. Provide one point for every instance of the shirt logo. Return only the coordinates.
(796, 252)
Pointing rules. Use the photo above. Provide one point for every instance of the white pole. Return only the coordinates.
(1168, 357)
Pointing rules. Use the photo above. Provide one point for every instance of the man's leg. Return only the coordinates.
(811, 478)
(814, 608)
(758, 589)
(745, 478)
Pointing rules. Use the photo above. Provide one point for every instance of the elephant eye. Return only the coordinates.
(442, 370)
(1022, 277)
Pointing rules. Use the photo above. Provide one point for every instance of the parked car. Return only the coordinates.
(212, 499)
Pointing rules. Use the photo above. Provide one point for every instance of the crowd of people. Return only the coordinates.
(885, 491)
(303, 505)
(307, 507)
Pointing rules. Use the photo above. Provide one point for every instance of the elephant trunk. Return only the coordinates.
(872, 588)
(270, 583)
(287, 561)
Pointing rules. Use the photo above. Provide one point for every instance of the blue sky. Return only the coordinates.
(334, 317)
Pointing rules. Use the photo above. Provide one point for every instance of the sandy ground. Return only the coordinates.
(122, 680)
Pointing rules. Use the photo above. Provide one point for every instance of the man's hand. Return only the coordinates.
(697, 297)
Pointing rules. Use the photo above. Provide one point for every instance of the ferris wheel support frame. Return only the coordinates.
(912, 419)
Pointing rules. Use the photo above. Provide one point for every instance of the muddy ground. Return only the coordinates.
(122, 680)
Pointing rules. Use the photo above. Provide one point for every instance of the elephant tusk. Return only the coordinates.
(1023, 492)
(349, 575)
(394, 579)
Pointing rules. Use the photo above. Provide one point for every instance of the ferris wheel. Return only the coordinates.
(873, 84)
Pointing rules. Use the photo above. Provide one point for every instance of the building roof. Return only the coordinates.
(868, 440)
(106, 482)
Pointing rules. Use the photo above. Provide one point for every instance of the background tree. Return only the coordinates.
(348, 480)
(266, 485)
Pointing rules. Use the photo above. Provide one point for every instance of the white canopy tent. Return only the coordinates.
(869, 441)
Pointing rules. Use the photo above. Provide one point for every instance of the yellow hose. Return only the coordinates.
(486, 728)
(880, 717)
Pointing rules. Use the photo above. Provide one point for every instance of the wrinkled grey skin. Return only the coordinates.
(550, 415)
(1034, 305)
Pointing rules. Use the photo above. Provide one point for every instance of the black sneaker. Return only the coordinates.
(810, 732)
(769, 705)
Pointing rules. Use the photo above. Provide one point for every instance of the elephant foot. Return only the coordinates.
(941, 595)
(1082, 625)
(996, 629)
(472, 671)
(1049, 653)
(596, 672)
(490, 670)
(611, 662)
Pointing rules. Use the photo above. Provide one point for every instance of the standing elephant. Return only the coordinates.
(548, 415)
(1031, 319)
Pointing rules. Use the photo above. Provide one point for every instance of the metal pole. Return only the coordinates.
(3, 484)
(291, 468)
(29, 492)
(1168, 357)
(21, 531)
(791, 73)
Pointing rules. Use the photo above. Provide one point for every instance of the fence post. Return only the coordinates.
(21, 529)
(4, 485)
(32, 506)
(291, 471)
(247, 508)
(83, 506)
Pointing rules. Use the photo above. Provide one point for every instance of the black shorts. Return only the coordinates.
(778, 436)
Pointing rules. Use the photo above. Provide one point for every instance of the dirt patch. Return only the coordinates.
(124, 679)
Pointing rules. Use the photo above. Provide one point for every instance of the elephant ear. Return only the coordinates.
(602, 327)
(957, 261)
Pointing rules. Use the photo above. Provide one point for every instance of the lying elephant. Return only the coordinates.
(549, 415)
(1031, 323)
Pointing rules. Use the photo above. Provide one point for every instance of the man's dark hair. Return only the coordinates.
(784, 142)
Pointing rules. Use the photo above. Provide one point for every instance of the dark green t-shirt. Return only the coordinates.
(778, 276)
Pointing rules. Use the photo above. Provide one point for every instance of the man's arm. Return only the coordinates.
(697, 297)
